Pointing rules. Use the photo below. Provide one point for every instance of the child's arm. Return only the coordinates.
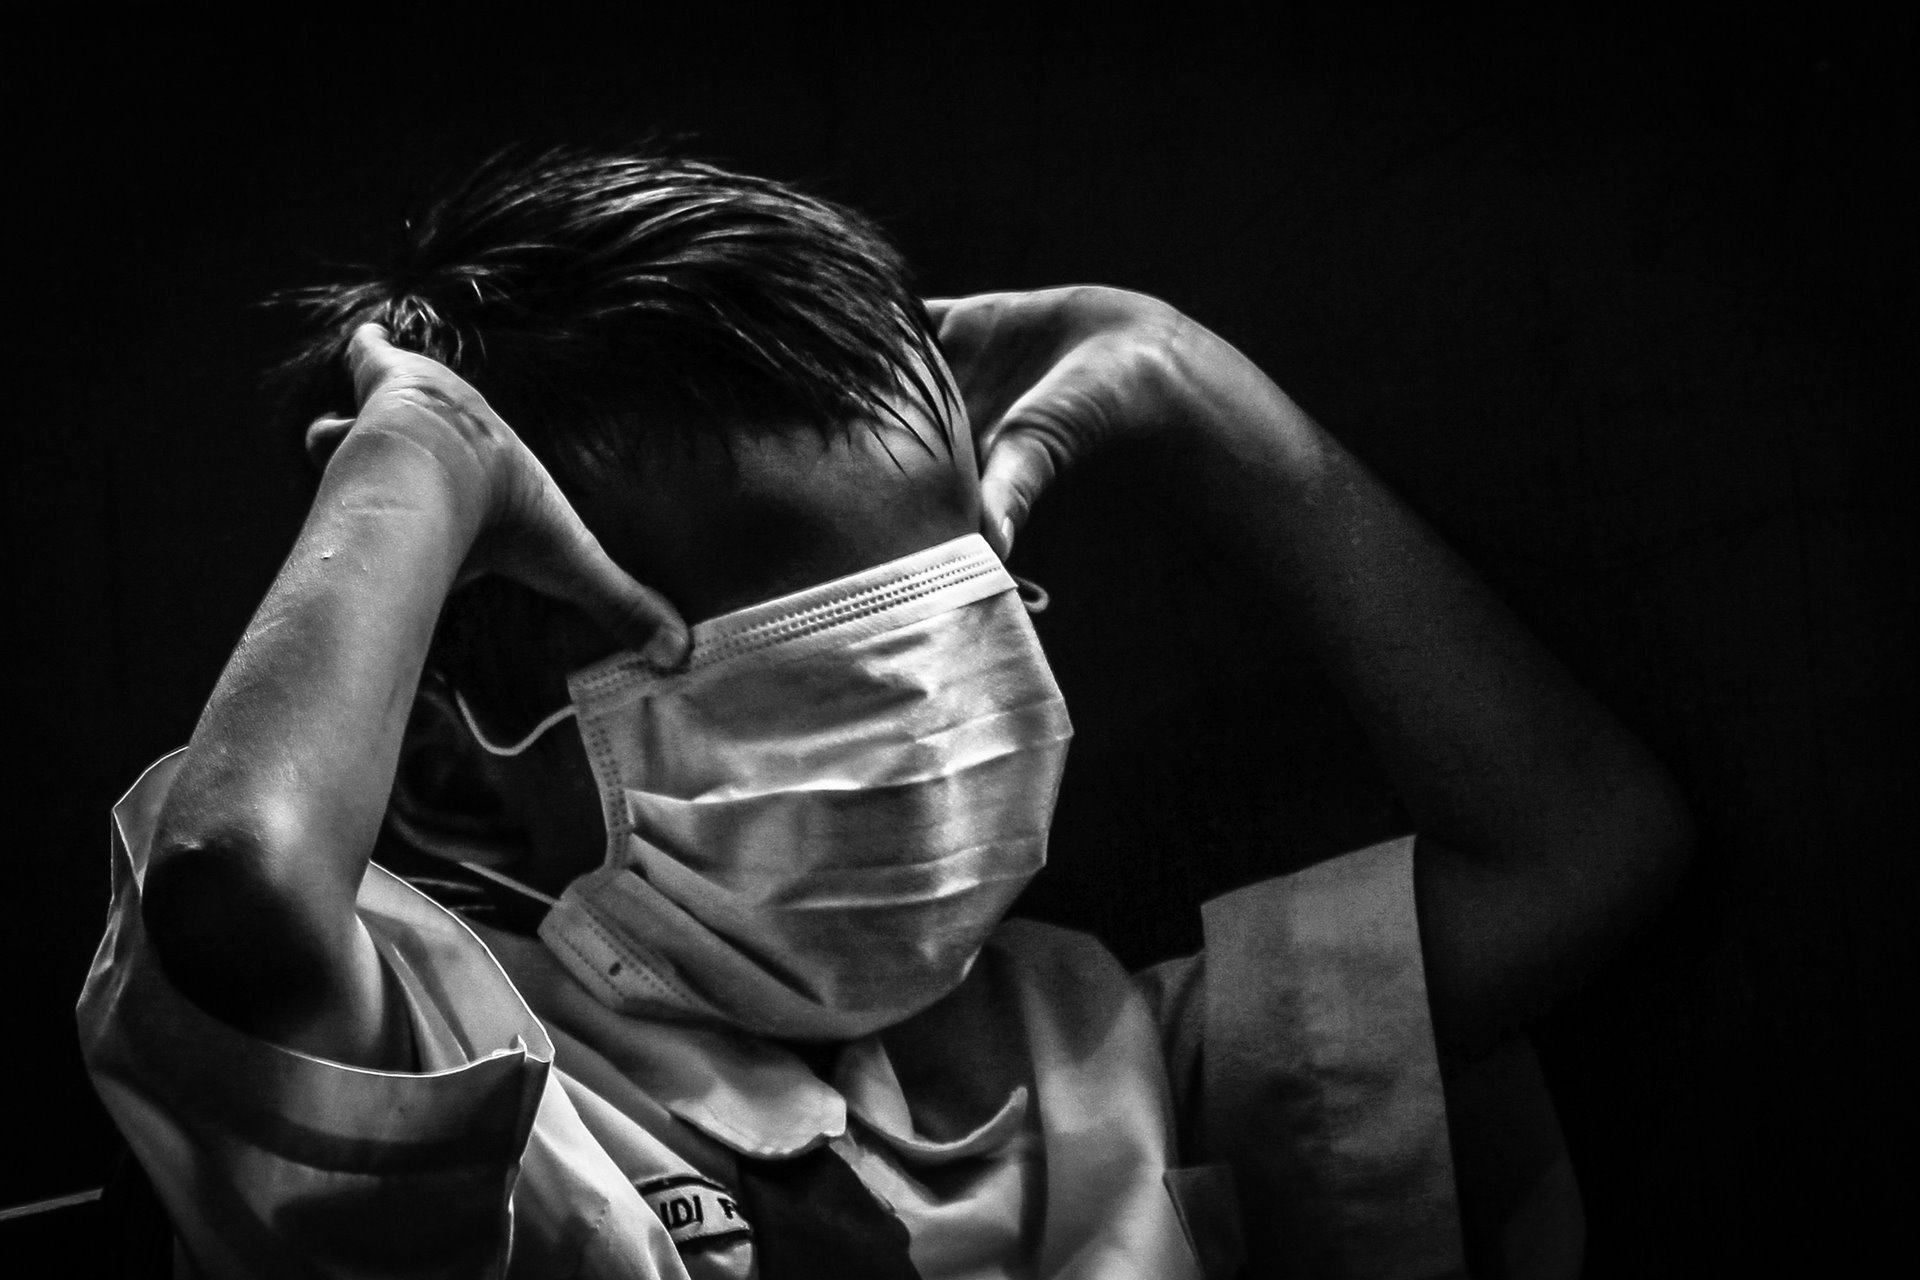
(1547, 831)
(264, 837)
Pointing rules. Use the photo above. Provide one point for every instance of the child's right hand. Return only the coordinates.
(521, 524)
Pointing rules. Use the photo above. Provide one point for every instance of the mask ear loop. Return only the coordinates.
(1032, 594)
(494, 749)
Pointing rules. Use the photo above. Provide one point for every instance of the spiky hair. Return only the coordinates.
(600, 300)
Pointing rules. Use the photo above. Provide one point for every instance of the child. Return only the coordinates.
(686, 658)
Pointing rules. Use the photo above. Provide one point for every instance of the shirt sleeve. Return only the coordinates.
(273, 1162)
(1300, 1050)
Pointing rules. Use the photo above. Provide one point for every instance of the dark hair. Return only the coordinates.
(608, 302)
(599, 299)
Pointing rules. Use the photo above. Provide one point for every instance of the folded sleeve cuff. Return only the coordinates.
(1318, 1079)
(273, 1161)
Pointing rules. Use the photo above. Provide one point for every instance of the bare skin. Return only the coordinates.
(1548, 833)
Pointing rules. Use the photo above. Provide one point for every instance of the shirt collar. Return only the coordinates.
(760, 1099)
(749, 1094)
(865, 1077)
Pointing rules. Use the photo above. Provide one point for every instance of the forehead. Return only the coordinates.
(721, 525)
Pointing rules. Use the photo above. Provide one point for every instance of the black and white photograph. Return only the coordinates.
(1031, 643)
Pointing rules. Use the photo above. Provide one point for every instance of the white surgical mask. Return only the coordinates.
(815, 825)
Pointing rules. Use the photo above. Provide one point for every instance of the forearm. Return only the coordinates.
(264, 837)
(296, 748)
(1550, 829)
(1490, 744)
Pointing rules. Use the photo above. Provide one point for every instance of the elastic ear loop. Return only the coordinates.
(1032, 594)
(492, 748)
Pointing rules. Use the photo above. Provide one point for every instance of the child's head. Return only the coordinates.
(732, 381)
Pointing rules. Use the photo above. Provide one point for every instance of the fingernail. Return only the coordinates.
(668, 648)
(1006, 536)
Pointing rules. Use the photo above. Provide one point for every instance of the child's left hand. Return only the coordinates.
(1052, 376)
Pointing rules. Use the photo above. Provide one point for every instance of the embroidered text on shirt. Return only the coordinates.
(694, 1210)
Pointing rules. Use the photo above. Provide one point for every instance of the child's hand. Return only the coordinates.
(1052, 376)
(523, 526)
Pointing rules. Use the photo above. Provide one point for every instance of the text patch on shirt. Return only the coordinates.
(693, 1209)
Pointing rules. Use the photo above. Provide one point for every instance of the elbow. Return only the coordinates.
(1647, 850)
(1667, 834)
(245, 949)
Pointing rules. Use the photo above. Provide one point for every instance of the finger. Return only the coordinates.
(1026, 446)
(965, 321)
(370, 359)
(939, 308)
(324, 435)
(639, 617)
(1018, 469)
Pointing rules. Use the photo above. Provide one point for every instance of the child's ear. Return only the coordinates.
(444, 802)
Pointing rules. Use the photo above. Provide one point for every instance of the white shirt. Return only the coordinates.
(546, 1135)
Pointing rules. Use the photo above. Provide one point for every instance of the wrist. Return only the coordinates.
(381, 471)
(1228, 414)
(388, 501)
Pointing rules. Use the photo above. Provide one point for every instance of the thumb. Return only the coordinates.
(637, 616)
(370, 359)
(1027, 449)
(1019, 468)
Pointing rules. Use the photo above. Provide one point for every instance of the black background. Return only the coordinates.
(1622, 303)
